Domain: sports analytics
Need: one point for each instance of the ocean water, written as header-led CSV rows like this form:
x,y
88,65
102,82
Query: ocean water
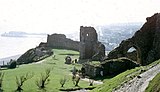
x,y
13,46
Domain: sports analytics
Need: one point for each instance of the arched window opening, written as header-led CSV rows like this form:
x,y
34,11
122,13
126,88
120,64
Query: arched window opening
x,y
132,53
132,49
87,35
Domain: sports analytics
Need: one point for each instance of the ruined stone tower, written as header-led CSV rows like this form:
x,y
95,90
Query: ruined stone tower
x,y
90,47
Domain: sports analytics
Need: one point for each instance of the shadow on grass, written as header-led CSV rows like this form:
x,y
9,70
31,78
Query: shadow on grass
x,y
70,54
76,88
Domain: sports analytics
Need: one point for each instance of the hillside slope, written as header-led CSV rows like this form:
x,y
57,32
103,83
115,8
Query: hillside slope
x,y
154,85
140,83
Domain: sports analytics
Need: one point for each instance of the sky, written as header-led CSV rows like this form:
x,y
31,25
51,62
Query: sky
x,y
66,16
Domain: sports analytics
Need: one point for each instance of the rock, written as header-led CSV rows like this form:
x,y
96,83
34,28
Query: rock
x,y
146,41
139,76
35,54
68,60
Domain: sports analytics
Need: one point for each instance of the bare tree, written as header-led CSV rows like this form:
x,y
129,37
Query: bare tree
x,y
44,79
21,79
63,81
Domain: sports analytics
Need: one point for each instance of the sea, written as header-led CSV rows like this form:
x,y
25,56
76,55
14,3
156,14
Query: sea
x,y
13,47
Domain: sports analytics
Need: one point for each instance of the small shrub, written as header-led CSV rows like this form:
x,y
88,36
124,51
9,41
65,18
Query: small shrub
x,y
21,79
12,64
68,60
44,79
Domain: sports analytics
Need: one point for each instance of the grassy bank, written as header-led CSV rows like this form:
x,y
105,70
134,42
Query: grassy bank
x,y
154,85
114,83
59,70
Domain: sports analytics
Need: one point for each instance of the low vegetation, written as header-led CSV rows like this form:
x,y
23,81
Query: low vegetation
x,y
154,85
44,79
21,79
60,69
12,64
60,78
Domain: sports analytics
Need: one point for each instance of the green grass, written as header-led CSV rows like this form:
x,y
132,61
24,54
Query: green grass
x,y
59,71
114,83
154,85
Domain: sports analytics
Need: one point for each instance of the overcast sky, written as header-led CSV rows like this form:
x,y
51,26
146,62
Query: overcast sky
x,y
64,16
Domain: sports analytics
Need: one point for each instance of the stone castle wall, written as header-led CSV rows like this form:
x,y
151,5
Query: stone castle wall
x,y
89,46
60,41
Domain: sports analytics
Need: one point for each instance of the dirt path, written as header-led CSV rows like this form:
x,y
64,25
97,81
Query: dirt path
x,y
86,79
95,82
139,84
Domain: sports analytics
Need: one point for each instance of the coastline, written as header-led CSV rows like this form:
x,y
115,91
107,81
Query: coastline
x,y
7,59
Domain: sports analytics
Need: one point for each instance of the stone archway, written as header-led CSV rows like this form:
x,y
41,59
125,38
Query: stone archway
x,y
133,52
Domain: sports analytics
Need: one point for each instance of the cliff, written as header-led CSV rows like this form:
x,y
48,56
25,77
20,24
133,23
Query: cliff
x,y
146,41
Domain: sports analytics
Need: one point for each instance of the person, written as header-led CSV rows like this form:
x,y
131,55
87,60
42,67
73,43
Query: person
x,y
83,72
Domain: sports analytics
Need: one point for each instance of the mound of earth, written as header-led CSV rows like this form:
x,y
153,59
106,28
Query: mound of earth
x,y
35,54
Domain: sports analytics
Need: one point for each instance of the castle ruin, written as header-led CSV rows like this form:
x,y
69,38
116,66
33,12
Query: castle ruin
x,y
90,47
146,41
59,41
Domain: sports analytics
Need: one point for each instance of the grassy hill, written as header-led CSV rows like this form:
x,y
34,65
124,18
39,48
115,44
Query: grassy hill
x,y
59,70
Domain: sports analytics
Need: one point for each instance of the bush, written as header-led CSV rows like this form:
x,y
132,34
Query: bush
x,y
12,64
44,79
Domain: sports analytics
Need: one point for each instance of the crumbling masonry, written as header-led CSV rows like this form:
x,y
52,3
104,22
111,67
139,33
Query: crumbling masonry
x,y
90,47
146,41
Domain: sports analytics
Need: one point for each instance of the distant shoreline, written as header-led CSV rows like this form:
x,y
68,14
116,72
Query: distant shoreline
x,y
20,34
7,59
